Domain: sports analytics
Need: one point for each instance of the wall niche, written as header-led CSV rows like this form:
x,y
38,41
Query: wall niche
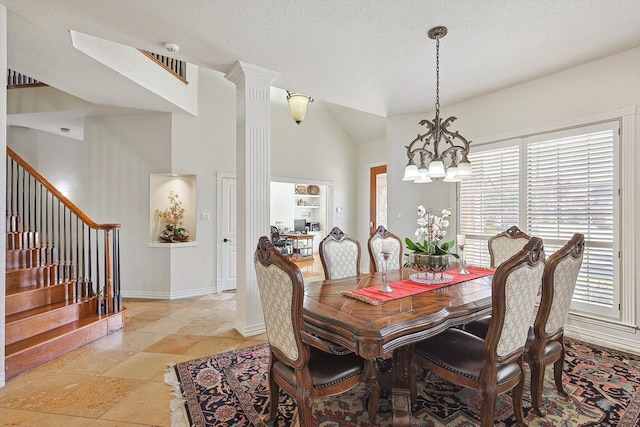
x,y
162,186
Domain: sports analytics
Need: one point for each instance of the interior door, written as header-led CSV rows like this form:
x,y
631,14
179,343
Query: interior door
x,y
378,198
227,246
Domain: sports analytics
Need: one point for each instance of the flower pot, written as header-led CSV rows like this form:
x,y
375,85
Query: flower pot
x,y
422,262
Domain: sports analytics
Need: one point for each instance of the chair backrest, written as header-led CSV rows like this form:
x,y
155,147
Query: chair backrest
x,y
504,245
558,283
281,292
340,255
514,293
275,234
375,250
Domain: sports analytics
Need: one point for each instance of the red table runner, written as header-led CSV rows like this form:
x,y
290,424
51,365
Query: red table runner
x,y
408,287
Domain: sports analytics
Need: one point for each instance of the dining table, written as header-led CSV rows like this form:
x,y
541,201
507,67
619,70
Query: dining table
x,y
353,313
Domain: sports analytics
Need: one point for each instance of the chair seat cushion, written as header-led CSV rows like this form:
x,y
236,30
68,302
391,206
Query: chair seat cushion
x,y
462,353
479,327
326,369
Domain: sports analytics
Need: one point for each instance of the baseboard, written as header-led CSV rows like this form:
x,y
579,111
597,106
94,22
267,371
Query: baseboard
x,y
603,339
168,295
251,330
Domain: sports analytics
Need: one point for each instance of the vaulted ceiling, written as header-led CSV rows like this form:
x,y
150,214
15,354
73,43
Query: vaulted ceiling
x,y
367,58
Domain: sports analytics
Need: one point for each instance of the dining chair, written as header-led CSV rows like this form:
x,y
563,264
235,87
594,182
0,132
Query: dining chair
x,y
301,364
339,255
504,245
376,258
545,342
493,365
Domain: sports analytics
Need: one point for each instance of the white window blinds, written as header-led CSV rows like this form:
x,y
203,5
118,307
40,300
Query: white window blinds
x,y
571,189
489,200
551,186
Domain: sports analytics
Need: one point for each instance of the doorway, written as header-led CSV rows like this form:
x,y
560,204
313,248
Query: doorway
x,y
377,198
227,244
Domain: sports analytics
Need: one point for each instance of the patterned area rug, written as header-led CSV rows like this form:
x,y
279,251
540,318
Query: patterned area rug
x,y
230,389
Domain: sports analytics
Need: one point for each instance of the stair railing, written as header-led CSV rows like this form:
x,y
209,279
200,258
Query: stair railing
x,y
87,253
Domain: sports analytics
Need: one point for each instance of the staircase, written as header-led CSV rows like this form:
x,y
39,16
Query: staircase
x,y
63,282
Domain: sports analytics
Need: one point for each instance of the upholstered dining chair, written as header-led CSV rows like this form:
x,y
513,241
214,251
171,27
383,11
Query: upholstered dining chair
x,y
504,245
545,343
339,255
301,364
376,257
493,365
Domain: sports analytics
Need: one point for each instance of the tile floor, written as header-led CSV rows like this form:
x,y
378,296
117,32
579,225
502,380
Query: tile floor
x,y
118,380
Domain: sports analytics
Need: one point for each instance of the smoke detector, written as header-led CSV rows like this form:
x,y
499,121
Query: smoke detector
x,y
172,47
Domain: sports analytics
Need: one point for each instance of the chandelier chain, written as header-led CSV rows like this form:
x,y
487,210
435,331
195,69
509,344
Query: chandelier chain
x,y
437,76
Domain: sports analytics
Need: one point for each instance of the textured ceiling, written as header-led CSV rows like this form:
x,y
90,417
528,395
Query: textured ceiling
x,y
368,55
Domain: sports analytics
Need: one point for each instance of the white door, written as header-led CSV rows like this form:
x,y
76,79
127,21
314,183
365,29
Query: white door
x,y
227,271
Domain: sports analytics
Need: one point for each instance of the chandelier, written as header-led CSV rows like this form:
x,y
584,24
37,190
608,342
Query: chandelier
x,y
442,153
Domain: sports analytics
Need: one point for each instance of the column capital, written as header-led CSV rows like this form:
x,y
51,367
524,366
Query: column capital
x,y
242,69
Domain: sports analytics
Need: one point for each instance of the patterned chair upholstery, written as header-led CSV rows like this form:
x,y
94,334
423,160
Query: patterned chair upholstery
x,y
493,365
504,245
340,255
375,250
545,343
301,364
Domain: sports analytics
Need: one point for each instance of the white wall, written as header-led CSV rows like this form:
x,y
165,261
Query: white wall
x,y
282,204
370,154
120,153
593,89
57,158
314,151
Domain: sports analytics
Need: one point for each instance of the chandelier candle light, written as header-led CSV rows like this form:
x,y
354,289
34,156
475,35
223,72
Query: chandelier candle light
x,y
448,161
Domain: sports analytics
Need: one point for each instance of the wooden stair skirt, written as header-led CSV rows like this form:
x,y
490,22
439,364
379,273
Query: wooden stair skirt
x,y
45,315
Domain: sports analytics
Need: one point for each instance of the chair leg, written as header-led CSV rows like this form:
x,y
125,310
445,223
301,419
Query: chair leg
x,y
517,401
274,393
557,374
304,401
487,408
537,384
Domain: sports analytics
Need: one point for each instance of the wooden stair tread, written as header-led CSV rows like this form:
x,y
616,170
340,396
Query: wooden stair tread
x,y
52,334
32,288
38,311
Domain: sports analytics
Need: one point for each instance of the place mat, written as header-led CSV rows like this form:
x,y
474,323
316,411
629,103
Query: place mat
x,y
407,287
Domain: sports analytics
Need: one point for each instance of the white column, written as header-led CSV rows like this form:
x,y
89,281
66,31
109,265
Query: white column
x,y
253,172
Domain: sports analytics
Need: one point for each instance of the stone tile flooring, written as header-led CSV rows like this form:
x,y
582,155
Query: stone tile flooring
x,y
118,380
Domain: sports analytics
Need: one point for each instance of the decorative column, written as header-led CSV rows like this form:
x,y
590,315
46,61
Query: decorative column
x,y
253,174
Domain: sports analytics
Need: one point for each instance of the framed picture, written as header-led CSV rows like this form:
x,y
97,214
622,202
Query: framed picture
x,y
301,189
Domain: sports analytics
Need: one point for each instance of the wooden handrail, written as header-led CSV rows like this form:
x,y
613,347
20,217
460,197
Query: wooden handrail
x,y
169,69
68,203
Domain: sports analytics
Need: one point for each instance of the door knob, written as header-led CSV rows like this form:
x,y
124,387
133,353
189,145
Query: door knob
x,y
225,240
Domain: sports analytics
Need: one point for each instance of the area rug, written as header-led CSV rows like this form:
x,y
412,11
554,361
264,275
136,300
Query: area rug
x,y
231,389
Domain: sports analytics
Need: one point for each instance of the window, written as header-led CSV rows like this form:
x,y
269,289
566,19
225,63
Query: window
x,y
551,186
489,200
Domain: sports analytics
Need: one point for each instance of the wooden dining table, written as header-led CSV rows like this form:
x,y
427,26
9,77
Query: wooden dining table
x,y
392,327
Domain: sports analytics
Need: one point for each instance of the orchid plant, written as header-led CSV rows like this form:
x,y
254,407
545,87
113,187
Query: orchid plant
x,y
172,218
430,233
